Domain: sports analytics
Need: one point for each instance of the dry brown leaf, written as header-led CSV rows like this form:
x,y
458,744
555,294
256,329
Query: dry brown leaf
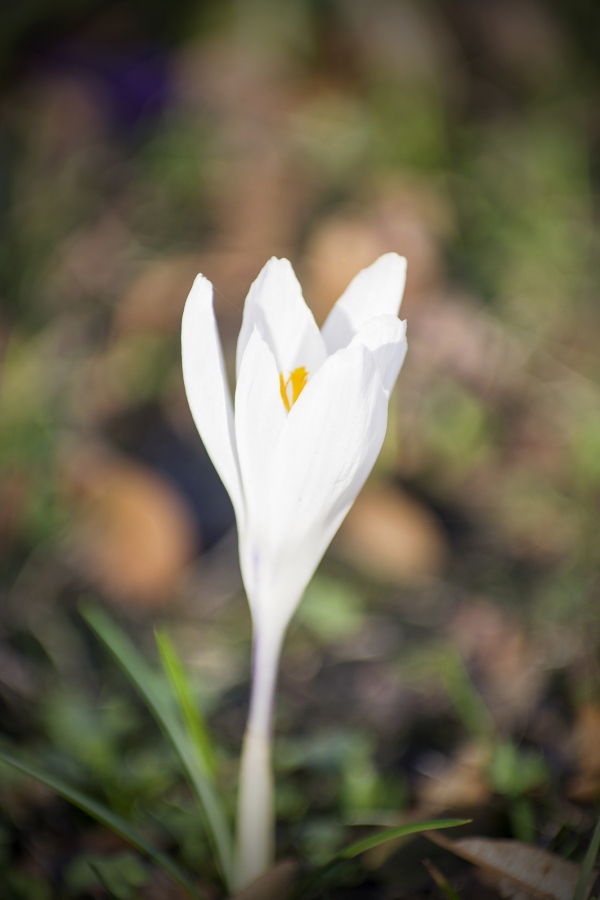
x,y
276,884
134,534
392,536
530,869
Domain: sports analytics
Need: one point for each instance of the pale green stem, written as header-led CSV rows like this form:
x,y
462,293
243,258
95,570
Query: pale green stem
x,y
255,847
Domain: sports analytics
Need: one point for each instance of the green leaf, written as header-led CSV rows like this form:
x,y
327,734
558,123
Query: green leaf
x,y
588,865
373,841
181,688
146,681
401,831
106,817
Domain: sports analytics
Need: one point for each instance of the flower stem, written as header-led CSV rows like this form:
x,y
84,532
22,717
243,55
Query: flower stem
x,y
256,814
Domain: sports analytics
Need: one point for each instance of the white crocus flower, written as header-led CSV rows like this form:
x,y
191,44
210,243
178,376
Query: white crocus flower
x,y
310,418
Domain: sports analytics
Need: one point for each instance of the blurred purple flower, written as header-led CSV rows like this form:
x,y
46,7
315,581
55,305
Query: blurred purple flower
x,y
132,79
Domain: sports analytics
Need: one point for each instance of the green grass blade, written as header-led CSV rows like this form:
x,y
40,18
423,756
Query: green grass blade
x,y
181,688
401,831
373,841
588,865
106,817
145,680
441,881
467,700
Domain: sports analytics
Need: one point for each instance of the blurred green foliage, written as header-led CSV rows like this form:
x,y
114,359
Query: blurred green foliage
x,y
121,874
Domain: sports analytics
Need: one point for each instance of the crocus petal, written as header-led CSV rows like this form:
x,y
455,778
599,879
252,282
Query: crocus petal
x,y
326,449
385,336
275,304
207,389
259,418
375,291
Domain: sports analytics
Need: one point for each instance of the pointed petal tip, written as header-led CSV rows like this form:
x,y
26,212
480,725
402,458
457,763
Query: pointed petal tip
x,y
276,269
278,262
275,302
375,291
201,281
201,289
393,262
392,255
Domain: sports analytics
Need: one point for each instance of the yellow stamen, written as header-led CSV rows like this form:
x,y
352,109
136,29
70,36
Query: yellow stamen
x,y
297,379
283,390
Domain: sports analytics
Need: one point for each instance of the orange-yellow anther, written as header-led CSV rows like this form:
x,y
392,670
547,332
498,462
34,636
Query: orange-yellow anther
x,y
297,382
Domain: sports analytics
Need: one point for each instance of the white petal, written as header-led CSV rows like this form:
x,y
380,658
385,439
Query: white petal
x,y
385,336
259,417
327,448
375,291
275,304
207,389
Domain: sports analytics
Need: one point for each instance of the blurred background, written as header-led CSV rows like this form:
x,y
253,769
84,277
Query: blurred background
x,y
446,655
